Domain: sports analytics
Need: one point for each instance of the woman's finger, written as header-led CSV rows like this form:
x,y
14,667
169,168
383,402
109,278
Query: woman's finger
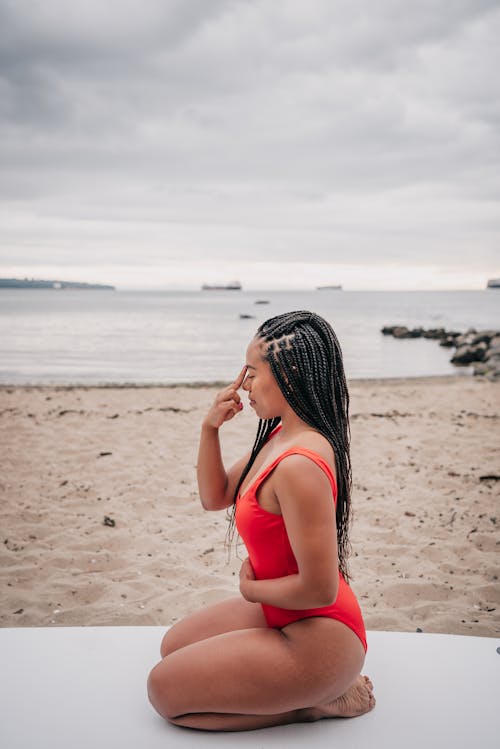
x,y
239,380
230,408
227,396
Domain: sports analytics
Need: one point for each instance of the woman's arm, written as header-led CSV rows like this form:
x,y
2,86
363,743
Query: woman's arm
x,y
305,497
216,487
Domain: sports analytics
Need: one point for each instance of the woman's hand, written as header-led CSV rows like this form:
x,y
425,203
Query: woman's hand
x,y
247,575
217,486
227,403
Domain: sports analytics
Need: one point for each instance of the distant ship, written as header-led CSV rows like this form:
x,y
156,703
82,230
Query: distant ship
x,y
333,287
233,286
493,283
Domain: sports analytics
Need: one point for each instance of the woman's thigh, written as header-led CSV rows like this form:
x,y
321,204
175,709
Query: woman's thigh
x,y
226,616
258,671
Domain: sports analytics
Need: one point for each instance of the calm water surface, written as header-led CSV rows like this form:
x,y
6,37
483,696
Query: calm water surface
x,y
91,337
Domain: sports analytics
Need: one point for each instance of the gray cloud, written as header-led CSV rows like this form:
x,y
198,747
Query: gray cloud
x,y
161,130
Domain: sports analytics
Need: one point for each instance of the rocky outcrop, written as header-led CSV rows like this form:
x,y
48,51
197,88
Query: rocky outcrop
x,y
481,348
467,353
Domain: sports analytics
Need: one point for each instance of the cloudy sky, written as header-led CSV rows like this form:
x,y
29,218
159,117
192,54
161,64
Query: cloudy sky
x,y
286,143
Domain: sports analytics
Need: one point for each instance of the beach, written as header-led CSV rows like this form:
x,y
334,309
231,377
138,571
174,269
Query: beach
x,y
101,522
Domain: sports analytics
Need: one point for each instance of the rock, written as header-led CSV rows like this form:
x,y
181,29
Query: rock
x,y
494,361
464,340
481,368
448,341
483,336
434,333
401,331
481,348
492,352
467,354
490,368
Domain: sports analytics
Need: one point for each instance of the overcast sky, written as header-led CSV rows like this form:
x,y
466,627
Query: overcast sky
x,y
159,143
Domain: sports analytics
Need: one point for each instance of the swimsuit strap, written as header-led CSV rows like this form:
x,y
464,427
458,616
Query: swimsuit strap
x,y
318,459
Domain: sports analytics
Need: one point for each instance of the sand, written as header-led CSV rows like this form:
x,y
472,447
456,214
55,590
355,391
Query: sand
x,y
101,523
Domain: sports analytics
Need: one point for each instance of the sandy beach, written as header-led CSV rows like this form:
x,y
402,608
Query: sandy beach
x,y
101,523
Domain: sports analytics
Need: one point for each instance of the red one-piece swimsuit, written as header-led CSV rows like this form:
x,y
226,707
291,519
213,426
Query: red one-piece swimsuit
x,y
266,540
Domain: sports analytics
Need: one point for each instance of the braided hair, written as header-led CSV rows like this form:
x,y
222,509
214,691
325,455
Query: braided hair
x,y
306,361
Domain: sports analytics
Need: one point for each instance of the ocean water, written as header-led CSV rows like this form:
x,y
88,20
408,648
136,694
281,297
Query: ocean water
x,y
94,337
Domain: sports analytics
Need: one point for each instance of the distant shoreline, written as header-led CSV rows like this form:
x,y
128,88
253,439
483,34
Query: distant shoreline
x,y
36,283
244,292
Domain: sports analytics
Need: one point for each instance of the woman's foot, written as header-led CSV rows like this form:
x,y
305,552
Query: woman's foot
x,y
356,701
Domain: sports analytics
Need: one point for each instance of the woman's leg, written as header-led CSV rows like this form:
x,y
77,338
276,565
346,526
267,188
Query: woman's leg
x,y
256,677
226,616
356,701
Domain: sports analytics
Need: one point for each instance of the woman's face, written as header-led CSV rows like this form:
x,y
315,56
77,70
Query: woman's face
x,y
264,394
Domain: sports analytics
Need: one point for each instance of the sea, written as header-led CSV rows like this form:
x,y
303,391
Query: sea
x,y
93,337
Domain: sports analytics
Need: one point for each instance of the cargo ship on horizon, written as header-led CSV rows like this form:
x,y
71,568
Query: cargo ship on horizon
x,y
232,286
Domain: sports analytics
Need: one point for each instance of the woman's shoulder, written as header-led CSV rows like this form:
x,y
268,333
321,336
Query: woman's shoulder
x,y
301,476
313,444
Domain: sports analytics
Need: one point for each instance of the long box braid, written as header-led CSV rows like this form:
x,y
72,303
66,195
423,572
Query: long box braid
x,y
306,360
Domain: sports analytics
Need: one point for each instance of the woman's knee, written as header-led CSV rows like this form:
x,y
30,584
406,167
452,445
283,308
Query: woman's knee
x,y
174,639
160,690
168,644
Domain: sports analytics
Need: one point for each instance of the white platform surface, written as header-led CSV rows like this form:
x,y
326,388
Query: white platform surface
x,y
81,687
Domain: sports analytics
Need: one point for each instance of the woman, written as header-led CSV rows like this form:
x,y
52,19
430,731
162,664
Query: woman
x,y
292,646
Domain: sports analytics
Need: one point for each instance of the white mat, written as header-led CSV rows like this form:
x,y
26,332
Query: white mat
x,y
76,688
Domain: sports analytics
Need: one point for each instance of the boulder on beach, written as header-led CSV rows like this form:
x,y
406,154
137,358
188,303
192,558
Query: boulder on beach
x,y
434,333
448,341
469,353
481,348
492,352
489,368
401,331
